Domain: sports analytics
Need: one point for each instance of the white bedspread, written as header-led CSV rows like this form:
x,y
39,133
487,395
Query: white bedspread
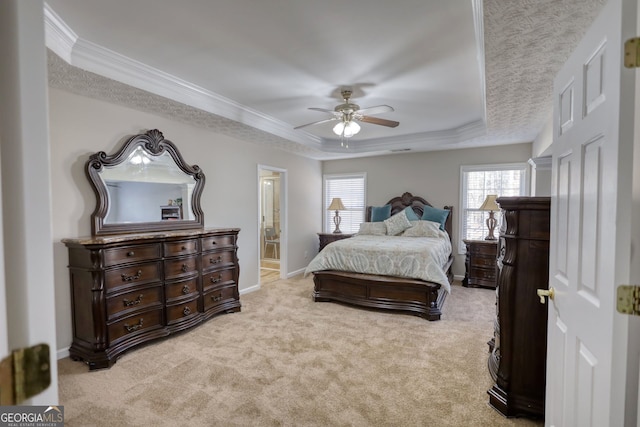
x,y
413,257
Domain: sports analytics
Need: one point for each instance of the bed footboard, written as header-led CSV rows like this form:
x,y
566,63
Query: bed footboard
x,y
417,297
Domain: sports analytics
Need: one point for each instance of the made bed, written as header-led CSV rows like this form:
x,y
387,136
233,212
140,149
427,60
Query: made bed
x,y
410,284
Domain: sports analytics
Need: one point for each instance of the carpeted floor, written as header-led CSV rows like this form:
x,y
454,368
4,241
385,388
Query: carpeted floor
x,y
287,361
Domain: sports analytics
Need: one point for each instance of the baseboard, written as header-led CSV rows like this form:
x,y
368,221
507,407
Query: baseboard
x,y
295,273
62,353
249,289
458,277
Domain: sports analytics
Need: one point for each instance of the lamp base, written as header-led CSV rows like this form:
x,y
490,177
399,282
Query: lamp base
x,y
491,225
336,221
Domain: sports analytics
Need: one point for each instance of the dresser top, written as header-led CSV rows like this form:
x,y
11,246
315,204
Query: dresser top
x,y
116,238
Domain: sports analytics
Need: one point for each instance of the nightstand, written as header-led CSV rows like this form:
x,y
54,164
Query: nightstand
x,y
481,263
326,238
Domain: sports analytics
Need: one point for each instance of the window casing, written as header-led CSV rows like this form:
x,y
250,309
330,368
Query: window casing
x,y
476,182
351,189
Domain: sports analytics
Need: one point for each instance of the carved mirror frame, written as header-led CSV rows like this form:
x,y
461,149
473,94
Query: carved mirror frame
x,y
153,144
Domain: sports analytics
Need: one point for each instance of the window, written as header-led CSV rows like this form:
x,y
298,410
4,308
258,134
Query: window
x,y
350,188
476,183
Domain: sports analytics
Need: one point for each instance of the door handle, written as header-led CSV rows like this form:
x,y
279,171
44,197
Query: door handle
x,y
546,293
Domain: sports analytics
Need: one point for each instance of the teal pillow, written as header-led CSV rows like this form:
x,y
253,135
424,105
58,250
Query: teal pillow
x,y
380,213
411,214
435,215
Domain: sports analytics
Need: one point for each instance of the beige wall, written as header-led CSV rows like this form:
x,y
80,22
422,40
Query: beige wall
x,y
432,175
80,126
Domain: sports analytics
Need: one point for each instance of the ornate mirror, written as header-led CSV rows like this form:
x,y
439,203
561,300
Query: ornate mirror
x,y
145,186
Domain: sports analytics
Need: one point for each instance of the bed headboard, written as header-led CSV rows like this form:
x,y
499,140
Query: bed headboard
x,y
417,204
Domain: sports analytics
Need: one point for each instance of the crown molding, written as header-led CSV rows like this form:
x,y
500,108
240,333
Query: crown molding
x,y
60,38
541,163
83,54
63,41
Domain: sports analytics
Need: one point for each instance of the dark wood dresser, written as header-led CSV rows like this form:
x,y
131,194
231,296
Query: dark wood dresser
x,y
129,289
481,263
326,238
517,362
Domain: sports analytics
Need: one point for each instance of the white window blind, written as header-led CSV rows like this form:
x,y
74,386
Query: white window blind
x,y
479,181
350,188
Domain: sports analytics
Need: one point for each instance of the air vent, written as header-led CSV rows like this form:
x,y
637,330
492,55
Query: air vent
x,y
399,150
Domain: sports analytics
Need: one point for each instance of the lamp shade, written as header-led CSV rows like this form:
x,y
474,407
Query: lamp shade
x,y
336,205
490,203
346,129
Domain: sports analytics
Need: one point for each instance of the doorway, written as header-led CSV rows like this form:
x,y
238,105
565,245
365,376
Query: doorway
x,y
271,184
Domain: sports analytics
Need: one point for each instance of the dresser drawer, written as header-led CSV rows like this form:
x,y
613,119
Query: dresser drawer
x,y
217,260
218,296
136,253
217,278
180,247
182,311
139,299
181,289
180,267
132,275
134,325
217,242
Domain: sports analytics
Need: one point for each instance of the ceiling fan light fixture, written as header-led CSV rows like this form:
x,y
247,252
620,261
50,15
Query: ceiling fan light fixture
x,y
346,129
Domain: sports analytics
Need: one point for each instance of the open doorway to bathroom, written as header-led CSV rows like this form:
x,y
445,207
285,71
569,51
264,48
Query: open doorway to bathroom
x,y
271,227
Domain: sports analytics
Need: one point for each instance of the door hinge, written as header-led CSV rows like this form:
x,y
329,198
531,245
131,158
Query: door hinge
x,y
628,299
631,54
24,373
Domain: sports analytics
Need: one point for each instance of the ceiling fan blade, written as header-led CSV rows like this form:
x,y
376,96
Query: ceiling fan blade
x,y
379,121
376,110
316,123
324,110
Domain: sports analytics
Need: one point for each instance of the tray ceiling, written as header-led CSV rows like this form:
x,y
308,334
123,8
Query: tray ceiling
x,y
460,73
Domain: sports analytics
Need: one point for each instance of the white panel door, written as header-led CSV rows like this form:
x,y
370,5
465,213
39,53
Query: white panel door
x,y
590,248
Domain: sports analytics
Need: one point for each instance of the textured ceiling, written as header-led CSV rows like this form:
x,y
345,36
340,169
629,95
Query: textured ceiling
x,y
525,43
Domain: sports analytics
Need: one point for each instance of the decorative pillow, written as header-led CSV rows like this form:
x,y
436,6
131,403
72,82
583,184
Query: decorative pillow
x,y
435,215
373,229
411,214
423,229
380,213
397,223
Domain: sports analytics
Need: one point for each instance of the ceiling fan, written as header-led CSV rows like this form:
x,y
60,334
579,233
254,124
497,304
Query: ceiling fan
x,y
349,114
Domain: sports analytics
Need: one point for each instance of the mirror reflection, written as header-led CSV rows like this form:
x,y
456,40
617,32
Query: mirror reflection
x,y
147,188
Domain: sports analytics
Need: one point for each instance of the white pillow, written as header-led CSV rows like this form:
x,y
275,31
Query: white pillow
x,y
423,229
397,223
373,229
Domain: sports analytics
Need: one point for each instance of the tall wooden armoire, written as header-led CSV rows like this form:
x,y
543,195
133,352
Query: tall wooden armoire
x,y
518,349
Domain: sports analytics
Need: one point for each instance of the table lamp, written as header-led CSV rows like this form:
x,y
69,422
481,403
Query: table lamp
x,y
336,205
490,205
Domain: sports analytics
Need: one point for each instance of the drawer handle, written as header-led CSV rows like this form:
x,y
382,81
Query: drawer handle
x,y
213,242
216,260
217,298
216,280
184,248
136,276
186,311
136,301
131,253
133,327
186,289
184,268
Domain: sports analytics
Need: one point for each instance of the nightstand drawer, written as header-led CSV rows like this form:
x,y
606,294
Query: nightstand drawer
x,y
483,273
481,263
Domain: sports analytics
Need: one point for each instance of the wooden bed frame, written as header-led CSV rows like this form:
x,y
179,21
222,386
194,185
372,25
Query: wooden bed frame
x,y
411,296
